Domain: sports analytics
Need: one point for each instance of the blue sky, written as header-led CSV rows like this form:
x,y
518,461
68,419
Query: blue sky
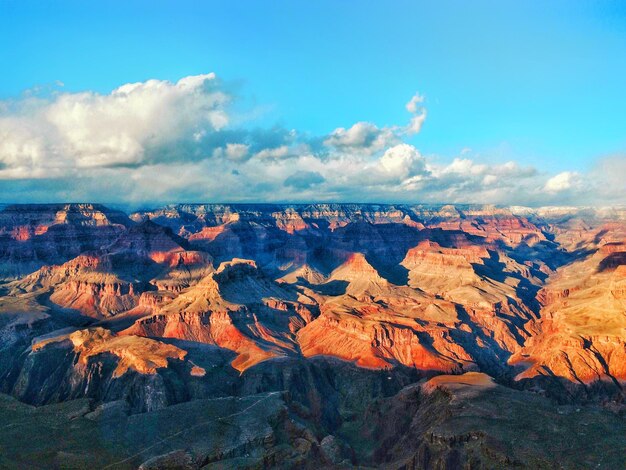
x,y
540,83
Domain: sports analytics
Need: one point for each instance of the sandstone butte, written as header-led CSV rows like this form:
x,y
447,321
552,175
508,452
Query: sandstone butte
x,y
142,355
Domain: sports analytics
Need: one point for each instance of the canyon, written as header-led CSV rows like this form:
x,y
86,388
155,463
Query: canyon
x,y
313,336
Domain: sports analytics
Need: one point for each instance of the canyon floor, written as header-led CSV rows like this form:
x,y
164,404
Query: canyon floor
x,y
312,336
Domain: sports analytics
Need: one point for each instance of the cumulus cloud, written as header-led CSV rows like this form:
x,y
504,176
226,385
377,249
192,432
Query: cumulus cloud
x,y
273,153
70,131
160,141
361,137
563,181
369,138
235,152
402,161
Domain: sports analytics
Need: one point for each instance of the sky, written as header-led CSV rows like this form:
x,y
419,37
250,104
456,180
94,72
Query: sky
x,y
277,101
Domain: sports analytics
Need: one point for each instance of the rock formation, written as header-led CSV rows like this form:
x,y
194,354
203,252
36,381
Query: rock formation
x,y
342,316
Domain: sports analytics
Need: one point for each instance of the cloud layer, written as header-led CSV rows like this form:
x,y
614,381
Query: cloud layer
x,y
158,141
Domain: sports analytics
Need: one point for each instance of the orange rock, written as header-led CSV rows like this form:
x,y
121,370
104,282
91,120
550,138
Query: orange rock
x,y
139,354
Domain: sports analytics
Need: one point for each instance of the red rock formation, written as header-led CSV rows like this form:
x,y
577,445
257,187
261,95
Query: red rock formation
x,y
441,288
236,308
105,283
377,324
34,235
139,354
582,332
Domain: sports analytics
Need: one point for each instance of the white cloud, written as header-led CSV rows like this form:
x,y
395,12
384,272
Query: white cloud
x,y
416,123
234,152
362,136
402,161
488,180
414,104
561,182
367,137
69,131
273,153
465,166
159,141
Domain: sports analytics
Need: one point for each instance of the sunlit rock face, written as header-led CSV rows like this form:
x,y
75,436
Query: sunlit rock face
x,y
335,305
34,235
582,330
